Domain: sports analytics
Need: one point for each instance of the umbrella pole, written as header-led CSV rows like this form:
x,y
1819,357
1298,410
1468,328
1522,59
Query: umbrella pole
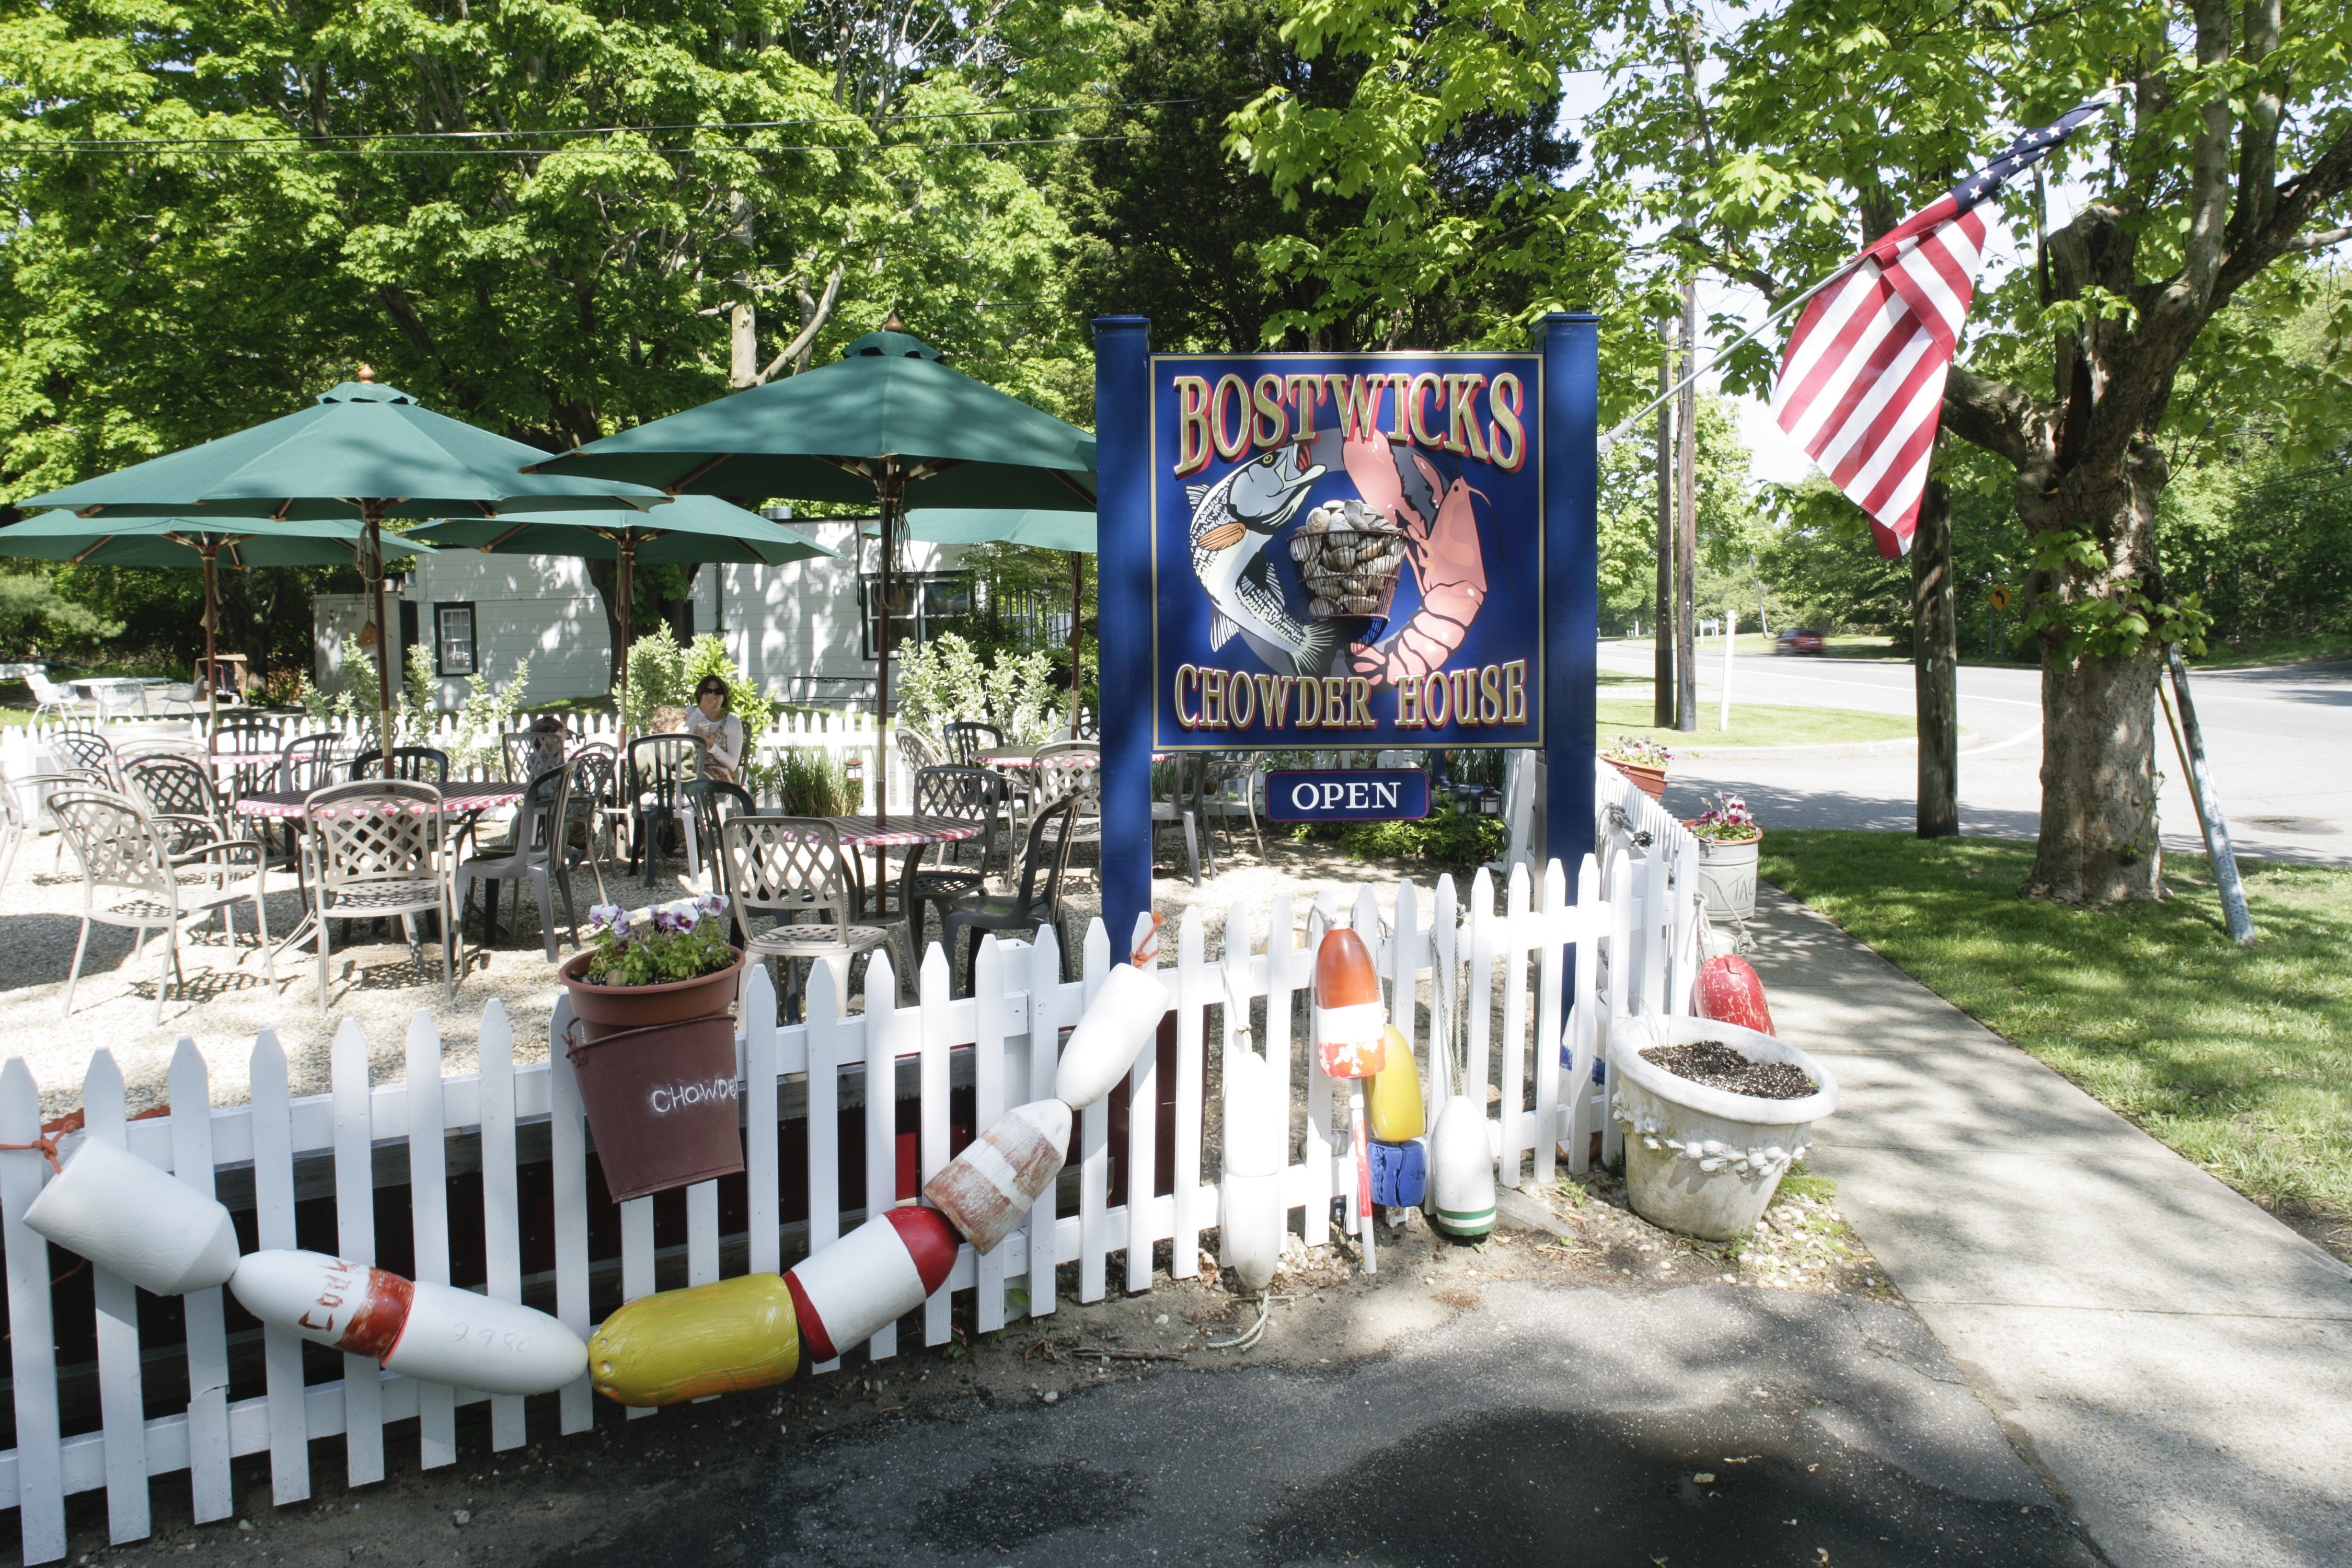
x,y
887,494
1078,602
387,644
625,584
212,612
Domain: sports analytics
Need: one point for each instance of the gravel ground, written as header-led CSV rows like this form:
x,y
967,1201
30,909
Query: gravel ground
x,y
226,998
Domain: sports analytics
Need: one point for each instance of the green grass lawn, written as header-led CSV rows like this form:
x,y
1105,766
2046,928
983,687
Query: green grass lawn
x,y
2272,650
1751,725
2239,1059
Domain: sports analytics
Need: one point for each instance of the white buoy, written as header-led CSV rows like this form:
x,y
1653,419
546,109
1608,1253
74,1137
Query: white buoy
x,y
1460,1170
986,1190
1251,1213
144,1224
1123,1018
876,1275
435,1333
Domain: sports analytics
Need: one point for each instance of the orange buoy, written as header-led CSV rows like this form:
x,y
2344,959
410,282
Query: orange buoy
x,y
416,1328
876,1275
684,1344
986,1190
1350,1019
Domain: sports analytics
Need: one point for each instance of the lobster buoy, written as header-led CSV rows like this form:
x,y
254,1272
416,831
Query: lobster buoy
x,y
1393,1097
1460,1170
1350,1024
986,1190
1123,1018
684,1344
142,1223
873,1277
1400,1173
1730,991
1251,1215
435,1333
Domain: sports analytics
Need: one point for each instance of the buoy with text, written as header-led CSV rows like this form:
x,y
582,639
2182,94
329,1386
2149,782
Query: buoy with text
x,y
1460,1170
677,1345
142,1222
437,1333
986,1190
876,1275
1250,1210
1350,1029
1730,991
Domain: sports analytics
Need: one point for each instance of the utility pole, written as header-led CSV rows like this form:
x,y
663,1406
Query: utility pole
x,y
1661,682
1687,563
1934,660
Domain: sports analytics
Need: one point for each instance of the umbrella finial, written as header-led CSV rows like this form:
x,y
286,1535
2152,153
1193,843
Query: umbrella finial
x,y
894,324
367,373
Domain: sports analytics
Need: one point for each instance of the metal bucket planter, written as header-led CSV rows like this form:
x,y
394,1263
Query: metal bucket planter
x,y
1727,875
655,1066
1700,1161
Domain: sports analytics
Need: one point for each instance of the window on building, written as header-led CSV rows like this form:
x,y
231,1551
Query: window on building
x,y
453,639
927,603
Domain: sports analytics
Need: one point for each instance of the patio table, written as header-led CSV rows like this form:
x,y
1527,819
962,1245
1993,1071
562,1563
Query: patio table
x,y
464,801
914,834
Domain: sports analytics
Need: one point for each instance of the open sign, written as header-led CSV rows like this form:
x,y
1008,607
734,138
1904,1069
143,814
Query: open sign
x,y
1347,794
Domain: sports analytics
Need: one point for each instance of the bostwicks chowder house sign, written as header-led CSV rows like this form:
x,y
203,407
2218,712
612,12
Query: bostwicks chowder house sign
x,y
1348,549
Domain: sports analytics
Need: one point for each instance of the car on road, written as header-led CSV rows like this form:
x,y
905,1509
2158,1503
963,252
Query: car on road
x,y
1799,642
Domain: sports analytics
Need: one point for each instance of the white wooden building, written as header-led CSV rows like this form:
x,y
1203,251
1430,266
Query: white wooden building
x,y
796,630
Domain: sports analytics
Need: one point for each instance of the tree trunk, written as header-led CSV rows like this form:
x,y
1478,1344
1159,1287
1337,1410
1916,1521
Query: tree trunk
x,y
605,576
1662,685
1935,656
1686,523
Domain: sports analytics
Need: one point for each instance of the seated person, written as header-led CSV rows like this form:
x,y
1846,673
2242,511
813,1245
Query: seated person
x,y
720,732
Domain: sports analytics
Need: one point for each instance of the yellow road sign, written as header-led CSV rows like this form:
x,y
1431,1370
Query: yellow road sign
x,y
1999,597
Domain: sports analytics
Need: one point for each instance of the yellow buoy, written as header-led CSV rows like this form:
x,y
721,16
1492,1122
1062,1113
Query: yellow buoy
x,y
1395,1108
706,1339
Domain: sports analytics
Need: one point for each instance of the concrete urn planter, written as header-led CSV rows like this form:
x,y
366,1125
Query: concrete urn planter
x,y
1727,875
1705,1162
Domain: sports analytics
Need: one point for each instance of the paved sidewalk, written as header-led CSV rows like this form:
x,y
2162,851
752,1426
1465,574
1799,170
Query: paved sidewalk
x,y
2175,1360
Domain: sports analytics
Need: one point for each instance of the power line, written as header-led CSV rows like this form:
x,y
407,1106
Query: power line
x,y
134,148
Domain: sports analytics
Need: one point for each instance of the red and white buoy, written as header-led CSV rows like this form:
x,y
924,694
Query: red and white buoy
x,y
144,1224
1730,991
418,1330
1350,1028
1123,1018
873,1276
987,1189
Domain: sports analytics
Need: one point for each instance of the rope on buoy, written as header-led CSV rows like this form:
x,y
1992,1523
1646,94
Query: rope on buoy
x,y
1256,1331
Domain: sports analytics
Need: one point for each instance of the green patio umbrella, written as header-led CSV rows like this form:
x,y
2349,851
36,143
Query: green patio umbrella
x,y
886,423
184,542
362,453
688,530
1070,531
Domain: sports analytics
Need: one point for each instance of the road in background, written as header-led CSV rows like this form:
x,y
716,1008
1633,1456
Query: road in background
x,y
2278,740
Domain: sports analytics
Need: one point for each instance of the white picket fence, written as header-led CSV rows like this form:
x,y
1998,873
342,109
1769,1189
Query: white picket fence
x,y
1529,955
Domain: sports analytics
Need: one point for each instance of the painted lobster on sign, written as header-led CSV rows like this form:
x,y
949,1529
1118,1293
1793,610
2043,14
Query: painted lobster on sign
x,y
1441,546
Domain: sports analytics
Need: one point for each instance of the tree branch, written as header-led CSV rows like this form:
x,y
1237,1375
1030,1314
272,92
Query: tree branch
x,y
2319,241
2208,177
1994,415
808,333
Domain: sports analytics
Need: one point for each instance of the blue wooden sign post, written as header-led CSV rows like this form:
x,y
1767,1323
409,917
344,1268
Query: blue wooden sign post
x,y
1306,551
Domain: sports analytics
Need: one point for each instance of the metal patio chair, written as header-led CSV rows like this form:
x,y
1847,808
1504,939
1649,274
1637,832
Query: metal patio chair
x,y
1036,897
377,849
967,794
535,850
658,768
968,743
790,868
132,879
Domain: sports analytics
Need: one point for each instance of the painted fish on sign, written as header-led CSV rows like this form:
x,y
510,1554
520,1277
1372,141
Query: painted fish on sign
x,y
1347,794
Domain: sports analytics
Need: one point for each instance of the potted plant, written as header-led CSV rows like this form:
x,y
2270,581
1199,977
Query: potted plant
x,y
1714,1116
1644,761
1728,843
652,1044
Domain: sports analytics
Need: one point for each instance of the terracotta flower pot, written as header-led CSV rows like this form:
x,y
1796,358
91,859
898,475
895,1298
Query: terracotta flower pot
x,y
1651,781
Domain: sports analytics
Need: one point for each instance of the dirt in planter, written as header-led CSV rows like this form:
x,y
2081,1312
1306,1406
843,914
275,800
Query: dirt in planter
x,y
1717,1066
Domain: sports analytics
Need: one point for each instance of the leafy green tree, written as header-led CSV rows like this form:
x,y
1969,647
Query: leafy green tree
x,y
36,621
1775,148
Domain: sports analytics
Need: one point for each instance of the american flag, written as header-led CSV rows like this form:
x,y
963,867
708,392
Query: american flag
x,y
1861,384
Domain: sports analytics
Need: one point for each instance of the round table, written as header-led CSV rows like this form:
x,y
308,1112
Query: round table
x,y
470,799
914,834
